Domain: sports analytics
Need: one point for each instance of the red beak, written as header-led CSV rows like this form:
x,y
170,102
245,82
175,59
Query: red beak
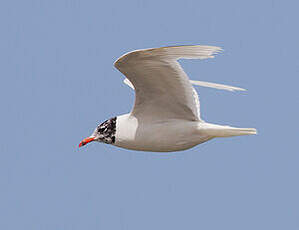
x,y
86,141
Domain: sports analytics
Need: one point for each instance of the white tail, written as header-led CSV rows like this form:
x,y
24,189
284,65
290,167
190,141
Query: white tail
x,y
227,131
230,131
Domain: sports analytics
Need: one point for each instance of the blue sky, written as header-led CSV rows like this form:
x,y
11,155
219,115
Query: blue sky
x,y
58,82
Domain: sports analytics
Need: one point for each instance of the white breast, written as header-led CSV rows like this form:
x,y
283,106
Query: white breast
x,y
162,136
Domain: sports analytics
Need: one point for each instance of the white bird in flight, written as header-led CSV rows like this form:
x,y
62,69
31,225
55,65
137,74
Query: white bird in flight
x,y
166,115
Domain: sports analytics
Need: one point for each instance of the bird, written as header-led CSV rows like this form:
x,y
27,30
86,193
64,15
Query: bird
x,y
166,113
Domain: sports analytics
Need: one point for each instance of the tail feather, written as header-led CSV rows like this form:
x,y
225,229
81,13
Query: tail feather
x,y
227,131
241,131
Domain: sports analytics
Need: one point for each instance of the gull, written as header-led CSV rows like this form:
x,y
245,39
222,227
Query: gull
x,y
166,113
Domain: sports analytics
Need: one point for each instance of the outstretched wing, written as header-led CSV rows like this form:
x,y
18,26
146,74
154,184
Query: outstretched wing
x,y
162,88
201,83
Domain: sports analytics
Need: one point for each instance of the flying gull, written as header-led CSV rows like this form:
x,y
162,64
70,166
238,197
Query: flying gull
x,y
166,113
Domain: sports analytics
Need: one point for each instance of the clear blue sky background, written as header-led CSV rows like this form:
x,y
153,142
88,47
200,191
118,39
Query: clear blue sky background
x,y
58,82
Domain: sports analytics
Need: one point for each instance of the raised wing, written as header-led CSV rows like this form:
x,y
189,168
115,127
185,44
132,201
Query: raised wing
x,y
162,88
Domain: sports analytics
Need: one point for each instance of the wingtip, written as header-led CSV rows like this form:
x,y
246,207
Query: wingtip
x,y
217,86
239,89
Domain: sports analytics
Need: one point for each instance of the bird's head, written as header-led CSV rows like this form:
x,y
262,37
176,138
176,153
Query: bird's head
x,y
105,133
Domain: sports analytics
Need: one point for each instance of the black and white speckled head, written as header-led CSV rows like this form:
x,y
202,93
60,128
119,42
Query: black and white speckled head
x,y
105,133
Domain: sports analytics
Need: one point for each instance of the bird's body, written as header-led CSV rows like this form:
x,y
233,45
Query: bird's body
x,y
157,136
166,114
168,135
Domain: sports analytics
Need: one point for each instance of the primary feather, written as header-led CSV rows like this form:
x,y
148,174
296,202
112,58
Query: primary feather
x,y
201,83
162,87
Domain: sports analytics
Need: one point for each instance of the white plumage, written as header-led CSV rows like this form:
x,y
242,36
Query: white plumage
x,y
166,113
